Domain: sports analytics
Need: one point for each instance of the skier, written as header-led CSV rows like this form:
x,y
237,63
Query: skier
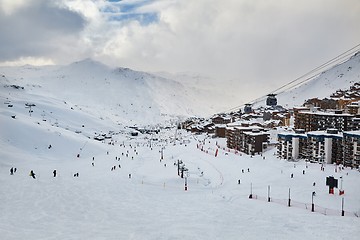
x,y
54,172
11,171
32,174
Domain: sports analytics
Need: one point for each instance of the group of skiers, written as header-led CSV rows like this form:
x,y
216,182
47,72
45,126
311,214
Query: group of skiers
x,y
31,174
12,171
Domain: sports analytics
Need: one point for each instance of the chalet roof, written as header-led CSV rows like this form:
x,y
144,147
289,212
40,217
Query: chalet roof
x,y
237,123
301,108
256,133
352,134
250,128
222,117
287,135
324,134
328,114
267,122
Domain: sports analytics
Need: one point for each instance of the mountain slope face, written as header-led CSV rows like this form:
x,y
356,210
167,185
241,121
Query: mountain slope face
x,y
131,97
341,76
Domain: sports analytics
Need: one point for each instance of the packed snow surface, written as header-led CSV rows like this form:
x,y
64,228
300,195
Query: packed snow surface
x,y
128,186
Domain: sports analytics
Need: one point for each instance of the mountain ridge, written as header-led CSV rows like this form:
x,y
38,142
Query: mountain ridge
x,y
136,97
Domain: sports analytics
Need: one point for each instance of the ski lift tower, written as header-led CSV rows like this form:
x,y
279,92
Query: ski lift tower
x,y
29,105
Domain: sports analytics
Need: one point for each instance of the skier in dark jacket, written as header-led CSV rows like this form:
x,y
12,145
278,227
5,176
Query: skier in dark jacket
x,y
32,174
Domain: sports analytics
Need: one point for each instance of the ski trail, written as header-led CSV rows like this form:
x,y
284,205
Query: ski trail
x,y
221,176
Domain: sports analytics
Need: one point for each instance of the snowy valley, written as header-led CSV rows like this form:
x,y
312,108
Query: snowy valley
x,y
128,185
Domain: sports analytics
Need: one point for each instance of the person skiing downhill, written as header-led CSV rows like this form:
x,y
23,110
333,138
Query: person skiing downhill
x,y
32,174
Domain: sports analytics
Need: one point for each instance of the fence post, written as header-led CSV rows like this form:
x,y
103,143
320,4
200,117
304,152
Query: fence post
x,y
312,202
289,199
250,196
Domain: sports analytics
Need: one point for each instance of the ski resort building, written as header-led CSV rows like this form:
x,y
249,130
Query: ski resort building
x,y
315,146
329,146
316,120
220,130
354,124
352,149
324,146
221,119
292,146
353,108
249,140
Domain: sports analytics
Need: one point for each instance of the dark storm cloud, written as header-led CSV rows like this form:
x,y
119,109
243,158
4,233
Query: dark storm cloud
x,y
36,28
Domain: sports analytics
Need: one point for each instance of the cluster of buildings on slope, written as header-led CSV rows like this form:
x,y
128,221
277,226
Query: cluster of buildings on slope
x,y
318,135
324,137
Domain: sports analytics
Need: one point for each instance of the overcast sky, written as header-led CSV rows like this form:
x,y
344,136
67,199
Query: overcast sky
x,y
256,40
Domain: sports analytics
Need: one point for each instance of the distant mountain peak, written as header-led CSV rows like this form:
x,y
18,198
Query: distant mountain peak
x,y
87,62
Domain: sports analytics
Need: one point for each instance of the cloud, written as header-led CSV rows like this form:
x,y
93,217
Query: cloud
x,y
35,61
7,7
36,29
265,41
268,42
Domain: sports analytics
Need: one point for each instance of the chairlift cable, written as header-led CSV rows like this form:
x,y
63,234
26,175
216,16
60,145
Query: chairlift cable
x,y
314,73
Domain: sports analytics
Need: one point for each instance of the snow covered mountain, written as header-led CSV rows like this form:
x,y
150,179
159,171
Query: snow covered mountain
x,y
341,76
132,96
128,187
129,95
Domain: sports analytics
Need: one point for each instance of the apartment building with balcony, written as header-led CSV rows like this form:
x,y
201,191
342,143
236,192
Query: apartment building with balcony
x,y
317,120
292,145
324,146
352,149
247,139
